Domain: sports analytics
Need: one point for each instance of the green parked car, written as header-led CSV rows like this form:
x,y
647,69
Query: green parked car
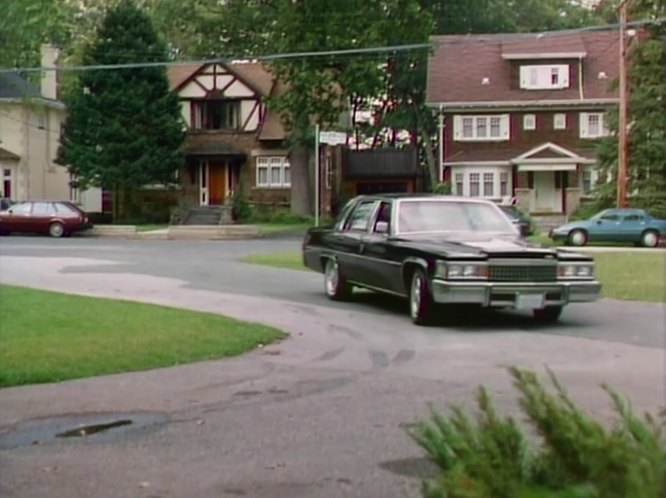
x,y
613,225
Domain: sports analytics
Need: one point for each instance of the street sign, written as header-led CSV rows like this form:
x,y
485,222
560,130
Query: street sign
x,y
333,137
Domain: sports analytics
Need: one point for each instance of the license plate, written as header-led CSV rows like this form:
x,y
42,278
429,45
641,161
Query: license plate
x,y
529,301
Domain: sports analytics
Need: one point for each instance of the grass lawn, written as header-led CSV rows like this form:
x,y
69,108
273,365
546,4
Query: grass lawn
x,y
50,337
270,228
633,276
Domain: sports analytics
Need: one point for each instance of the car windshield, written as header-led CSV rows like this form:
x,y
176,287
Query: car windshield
x,y
451,216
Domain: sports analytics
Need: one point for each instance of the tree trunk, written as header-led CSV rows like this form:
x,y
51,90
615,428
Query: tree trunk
x,y
302,180
433,172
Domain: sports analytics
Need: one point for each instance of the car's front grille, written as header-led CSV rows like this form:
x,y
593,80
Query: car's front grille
x,y
522,273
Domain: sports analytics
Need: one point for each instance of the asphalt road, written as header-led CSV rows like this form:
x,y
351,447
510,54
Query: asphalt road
x,y
321,414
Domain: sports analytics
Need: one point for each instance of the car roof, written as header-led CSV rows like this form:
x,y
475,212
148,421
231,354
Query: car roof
x,y
419,196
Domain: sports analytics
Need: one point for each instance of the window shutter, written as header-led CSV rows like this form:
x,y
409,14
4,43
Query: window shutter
x,y
584,131
457,127
524,77
564,76
505,126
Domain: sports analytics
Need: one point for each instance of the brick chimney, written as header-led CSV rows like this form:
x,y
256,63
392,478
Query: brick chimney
x,y
49,85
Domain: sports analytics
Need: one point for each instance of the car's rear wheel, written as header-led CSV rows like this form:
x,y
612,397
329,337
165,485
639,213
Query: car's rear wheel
x,y
56,229
650,238
420,298
550,314
335,284
577,238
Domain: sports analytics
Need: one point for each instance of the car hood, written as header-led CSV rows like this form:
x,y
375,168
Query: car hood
x,y
476,245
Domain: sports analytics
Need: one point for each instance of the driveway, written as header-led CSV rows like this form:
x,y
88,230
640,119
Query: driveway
x,y
321,414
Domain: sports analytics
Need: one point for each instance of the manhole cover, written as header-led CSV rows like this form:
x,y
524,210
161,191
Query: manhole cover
x,y
98,427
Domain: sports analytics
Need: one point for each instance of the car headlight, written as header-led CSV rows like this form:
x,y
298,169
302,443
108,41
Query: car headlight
x,y
461,270
576,270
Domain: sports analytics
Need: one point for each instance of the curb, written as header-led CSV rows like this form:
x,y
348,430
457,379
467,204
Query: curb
x,y
177,232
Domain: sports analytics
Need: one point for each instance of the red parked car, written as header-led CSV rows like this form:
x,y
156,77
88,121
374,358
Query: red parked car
x,y
56,218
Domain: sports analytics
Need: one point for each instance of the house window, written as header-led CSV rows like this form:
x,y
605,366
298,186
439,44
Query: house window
x,y
587,182
481,128
7,184
560,121
74,194
529,122
215,115
488,184
593,125
504,184
474,179
460,178
273,172
468,127
544,77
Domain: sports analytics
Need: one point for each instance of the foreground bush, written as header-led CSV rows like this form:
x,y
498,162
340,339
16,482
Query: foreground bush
x,y
575,456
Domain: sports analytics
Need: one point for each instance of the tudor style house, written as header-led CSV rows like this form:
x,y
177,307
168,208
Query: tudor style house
x,y
231,134
522,114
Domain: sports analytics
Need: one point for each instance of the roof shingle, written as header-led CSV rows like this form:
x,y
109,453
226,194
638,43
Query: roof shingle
x,y
459,65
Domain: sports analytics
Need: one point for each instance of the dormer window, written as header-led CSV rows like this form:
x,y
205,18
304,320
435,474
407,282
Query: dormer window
x,y
544,77
215,114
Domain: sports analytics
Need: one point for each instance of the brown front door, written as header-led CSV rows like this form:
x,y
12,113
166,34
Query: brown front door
x,y
217,183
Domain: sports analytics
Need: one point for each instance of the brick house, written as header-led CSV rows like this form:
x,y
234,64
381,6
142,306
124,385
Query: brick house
x,y
522,115
231,134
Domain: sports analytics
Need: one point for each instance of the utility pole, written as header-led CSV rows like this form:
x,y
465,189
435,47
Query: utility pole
x,y
623,139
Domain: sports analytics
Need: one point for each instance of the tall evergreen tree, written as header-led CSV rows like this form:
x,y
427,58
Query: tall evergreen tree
x,y
124,128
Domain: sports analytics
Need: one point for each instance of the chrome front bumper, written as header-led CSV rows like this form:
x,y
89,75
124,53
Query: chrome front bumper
x,y
505,294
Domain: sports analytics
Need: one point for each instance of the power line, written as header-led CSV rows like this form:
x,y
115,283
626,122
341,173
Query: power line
x,y
458,40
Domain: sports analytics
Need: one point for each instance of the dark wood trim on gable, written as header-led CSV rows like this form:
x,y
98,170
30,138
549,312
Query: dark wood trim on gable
x,y
250,114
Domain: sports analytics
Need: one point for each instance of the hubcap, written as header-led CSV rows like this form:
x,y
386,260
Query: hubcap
x,y
416,296
578,238
331,277
650,239
56,230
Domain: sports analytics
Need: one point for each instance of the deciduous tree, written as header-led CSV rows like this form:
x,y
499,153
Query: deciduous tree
x,y
647,129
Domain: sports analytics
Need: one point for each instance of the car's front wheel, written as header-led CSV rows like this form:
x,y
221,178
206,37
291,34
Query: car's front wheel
x,y
650,238
577,238
56,229
335,285
550,314
420,298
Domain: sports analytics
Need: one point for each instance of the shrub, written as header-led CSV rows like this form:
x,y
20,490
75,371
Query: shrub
x,y
444,188
241,210
577,457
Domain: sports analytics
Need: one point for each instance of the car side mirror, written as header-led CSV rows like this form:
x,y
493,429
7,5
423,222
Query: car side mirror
x,y
10,211
598,222
382,227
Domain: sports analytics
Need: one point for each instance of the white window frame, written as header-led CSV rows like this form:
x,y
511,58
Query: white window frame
x,y
529,122
544,77
464,174
268,164
559,121
459,183
595,179
602,127
8,177
74,193
495,126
